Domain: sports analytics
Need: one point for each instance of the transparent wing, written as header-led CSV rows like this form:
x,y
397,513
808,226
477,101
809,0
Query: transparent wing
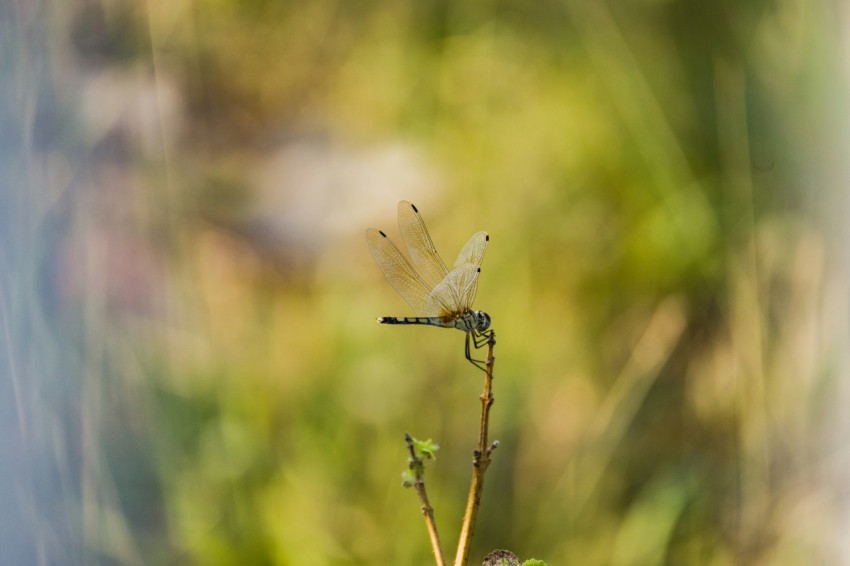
x,y
473,251
471,255
401,275
419,245
457,290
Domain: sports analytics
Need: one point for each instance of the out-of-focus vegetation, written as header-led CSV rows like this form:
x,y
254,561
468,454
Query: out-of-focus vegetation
x,y
191,372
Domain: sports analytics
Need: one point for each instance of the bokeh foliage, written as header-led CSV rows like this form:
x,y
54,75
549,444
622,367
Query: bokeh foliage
x,y
191,372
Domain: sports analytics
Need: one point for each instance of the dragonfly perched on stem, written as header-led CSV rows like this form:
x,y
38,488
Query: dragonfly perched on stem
x,y
439,296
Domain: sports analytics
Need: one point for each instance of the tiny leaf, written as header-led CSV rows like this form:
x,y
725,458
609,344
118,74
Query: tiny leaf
x,y
427,448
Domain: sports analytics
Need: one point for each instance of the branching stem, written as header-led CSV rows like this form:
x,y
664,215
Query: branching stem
x,y
417,467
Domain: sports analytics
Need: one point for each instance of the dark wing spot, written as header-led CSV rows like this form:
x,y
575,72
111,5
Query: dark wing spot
x,y
413,206
382,233
487,238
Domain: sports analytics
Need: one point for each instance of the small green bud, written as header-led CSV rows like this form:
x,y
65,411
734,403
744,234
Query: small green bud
x,y
408,478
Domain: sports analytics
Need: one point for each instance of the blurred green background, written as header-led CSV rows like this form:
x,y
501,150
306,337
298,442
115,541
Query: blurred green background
x,y
190,368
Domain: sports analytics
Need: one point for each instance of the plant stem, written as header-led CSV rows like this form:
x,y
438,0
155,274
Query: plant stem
x,y
480,460
417,467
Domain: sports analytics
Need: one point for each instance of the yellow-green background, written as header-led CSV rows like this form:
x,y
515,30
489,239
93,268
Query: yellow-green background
x,y
191,371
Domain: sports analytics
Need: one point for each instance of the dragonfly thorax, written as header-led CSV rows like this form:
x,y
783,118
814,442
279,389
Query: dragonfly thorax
x,y
473,321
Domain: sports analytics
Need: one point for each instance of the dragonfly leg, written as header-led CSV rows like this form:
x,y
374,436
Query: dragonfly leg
x,y
473,361
481,338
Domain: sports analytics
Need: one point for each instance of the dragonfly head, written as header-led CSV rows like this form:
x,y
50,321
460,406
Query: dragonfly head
x,y
482,320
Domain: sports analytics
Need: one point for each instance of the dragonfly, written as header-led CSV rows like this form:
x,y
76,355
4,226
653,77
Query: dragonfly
x,y
439,296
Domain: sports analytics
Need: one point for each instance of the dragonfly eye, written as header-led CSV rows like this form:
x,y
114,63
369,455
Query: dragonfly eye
x,y
483,320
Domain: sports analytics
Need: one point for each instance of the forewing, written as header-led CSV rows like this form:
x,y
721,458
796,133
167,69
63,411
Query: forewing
x,y
473,251
421,249
400,273
457,290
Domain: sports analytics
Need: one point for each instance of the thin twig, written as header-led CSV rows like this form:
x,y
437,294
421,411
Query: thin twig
x,y
480,461
417,467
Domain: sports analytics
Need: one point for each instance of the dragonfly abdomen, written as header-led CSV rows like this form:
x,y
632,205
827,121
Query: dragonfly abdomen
x,y
429,320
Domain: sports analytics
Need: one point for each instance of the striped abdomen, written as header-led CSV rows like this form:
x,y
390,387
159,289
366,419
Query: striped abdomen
x,y
429,320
